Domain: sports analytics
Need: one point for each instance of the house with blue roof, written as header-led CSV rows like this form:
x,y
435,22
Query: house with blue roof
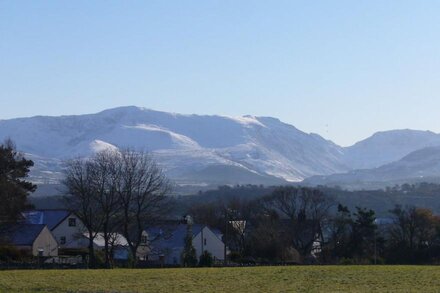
x,y
166,243
37,239
65,226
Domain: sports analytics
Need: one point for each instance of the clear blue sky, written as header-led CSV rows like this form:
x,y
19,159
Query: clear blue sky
x,y
343,69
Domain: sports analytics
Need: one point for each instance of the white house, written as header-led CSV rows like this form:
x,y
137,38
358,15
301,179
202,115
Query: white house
x,y
167,243
37,240
65,226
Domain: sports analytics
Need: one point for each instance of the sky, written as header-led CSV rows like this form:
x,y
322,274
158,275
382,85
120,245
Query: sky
x,y
342,69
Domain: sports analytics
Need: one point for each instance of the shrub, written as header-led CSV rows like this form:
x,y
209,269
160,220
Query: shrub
x,y
206,259
10,253
346,261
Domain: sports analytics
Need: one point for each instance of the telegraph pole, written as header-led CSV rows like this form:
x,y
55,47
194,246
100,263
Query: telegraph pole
x,y
226,236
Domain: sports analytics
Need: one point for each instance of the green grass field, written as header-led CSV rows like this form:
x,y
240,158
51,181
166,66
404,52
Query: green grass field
x,y
258,279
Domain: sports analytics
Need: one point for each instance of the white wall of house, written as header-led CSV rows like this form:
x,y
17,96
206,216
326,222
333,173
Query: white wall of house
x,y
207,240
69,233
45,242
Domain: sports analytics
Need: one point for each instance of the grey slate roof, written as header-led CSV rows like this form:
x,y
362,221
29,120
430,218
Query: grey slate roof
x,y
21,234
173,236
51,218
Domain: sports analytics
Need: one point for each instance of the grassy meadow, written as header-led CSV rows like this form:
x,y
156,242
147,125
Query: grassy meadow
x,y
254,279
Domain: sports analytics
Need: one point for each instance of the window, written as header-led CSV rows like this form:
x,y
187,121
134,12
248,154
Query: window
x,y
144,239
72,222
63,240
204,241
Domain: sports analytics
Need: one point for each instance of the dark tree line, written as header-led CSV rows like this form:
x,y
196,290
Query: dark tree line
x,y
414,237
304,225
281,227
352,237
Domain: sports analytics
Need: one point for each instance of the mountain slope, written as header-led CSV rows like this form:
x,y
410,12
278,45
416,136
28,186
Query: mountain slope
x,y
388,146
420,165
185,145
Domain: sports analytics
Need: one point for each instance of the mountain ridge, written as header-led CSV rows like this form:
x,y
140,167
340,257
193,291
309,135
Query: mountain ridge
x,y
386,146
419,166
261,145
192,148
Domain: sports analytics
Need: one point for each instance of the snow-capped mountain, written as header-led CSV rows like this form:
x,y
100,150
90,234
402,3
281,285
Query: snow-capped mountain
x,y
211,150
193,149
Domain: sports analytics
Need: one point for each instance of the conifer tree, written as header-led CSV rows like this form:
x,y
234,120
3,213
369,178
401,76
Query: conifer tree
x,y
189,258
14,189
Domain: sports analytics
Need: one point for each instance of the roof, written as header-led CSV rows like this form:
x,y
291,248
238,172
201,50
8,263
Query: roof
x,y
22,234
51,218
173,236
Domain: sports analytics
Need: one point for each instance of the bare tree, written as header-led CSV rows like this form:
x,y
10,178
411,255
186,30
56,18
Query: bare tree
x,y
117,190
142,193
106,174
304,211
81,198
413,227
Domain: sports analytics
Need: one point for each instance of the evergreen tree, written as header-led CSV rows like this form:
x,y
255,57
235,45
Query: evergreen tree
x,y
14,190
189,258
364,234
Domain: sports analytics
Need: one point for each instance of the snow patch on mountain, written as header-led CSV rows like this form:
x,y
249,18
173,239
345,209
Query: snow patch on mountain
x,y
247,120
99,146
180,141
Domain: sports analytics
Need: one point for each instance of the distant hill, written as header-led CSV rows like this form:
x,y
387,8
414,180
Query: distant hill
x,y
419,166
388,146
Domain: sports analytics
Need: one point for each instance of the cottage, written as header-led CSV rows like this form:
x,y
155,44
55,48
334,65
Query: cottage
x,y
167,243
65,226
37,240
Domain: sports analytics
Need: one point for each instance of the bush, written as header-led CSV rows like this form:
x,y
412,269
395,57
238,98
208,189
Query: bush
x,y
99,258
206,259
10,253
346,261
